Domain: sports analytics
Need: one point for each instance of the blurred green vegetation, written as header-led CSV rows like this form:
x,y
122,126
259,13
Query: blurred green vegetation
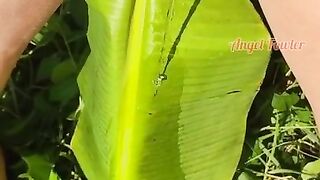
x,y
38,111
38,106
281,134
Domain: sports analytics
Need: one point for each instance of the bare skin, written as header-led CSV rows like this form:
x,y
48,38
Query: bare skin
x,y
289,19
299,21
20,20
2,166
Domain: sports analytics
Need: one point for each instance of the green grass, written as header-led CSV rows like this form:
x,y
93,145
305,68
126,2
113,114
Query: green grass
x,y
281,135
38,110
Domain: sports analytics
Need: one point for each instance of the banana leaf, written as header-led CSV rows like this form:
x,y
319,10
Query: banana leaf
x,y
163,96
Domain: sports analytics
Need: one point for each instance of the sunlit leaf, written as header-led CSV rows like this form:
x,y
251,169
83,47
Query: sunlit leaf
x,y
164,97
311,171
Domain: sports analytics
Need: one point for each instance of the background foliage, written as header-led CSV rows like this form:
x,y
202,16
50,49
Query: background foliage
x,y
37,108
38,111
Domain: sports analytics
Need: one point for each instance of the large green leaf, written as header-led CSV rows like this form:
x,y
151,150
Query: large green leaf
x,y
164,98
